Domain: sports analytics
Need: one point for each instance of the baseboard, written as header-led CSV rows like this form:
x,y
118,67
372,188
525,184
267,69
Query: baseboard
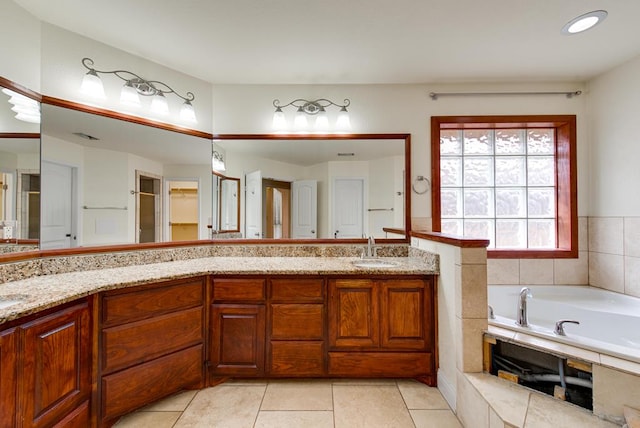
x,y
447,389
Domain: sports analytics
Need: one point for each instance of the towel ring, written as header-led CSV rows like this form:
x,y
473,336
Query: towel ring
x,y
421,185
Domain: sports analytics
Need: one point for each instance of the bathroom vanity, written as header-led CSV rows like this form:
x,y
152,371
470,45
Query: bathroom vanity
x,y
143,333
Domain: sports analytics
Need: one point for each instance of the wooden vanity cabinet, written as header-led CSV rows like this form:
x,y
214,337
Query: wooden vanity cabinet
x,y
8,377
237,327
45,369
382,327
151,344
296,327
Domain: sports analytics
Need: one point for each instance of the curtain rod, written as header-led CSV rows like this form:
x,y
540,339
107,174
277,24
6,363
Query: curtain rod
x,y
435,95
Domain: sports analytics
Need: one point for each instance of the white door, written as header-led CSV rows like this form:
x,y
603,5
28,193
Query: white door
x,y
304,210
253,205
348,207
56,211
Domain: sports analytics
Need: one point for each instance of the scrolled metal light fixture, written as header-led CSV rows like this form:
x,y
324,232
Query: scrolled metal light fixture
x,y
133,87
315,108
217,162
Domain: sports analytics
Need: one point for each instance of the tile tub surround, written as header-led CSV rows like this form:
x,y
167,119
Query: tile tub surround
x,y
489,402
341,403
15,271
51,290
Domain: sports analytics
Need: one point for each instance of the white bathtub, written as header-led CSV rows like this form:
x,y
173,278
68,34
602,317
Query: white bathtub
x,y
609,322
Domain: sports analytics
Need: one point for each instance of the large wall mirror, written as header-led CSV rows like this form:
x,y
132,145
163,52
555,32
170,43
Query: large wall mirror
x,y
320,187
19,172
107,181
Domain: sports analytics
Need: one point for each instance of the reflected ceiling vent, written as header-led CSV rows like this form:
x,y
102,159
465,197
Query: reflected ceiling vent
x,y
346,154
86,136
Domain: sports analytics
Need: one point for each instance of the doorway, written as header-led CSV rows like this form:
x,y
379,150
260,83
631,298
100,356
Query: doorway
x,y
277,210
28,204
183,209
148,207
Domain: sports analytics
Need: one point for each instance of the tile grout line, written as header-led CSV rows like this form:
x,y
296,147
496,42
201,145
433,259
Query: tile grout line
x,y
264,393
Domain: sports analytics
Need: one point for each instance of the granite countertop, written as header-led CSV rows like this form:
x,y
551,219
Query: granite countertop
x,y
42,292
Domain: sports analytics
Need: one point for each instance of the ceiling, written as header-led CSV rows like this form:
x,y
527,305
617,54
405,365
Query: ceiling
x,y
358,41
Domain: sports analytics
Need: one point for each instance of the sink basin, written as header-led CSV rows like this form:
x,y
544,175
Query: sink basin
x,y
11,299
374,263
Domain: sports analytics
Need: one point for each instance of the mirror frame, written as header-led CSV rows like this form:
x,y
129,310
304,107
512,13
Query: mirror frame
x,y
44,99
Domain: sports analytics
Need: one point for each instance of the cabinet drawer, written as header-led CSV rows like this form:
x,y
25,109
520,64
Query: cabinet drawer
x,y
239,289
122,306
145,340
296,358
130,389
297,290
381,364
297,321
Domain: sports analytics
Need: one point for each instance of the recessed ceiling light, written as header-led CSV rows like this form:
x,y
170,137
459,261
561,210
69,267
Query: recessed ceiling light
x,y
584,22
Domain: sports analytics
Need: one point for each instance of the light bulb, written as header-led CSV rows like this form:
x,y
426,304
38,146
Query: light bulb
x,y
159,104
322,122
129,96
92,85
343,124
300,122
188,113
279,120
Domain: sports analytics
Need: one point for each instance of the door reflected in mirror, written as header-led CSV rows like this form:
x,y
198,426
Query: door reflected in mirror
x,y
229,204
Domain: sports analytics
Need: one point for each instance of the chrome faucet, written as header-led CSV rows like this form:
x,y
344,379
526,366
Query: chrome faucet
x,y
370,250
522,320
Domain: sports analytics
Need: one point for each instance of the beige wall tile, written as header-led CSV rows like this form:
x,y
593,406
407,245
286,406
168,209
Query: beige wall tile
x,y
508,400
494,419
503,271
434,419
632,276
631,236
369,406
606,235
473,256
583,233
536,271
606,271
572,271
472,409
473,291
612,390
545,411
470,349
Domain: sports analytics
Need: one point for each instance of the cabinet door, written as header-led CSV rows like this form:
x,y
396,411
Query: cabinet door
x,y
237,340
57,365
406,314
8,377
353,314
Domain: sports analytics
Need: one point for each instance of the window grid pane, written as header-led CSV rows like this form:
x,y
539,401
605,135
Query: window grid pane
x,y
500,185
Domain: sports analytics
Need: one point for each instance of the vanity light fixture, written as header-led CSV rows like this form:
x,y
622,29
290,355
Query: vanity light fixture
x,y
25,108
135,86
217,162
306,108
584,22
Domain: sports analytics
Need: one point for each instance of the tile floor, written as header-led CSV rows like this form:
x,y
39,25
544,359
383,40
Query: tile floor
x,y
301,403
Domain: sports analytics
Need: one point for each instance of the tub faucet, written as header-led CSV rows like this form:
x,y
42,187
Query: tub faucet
x,y
522,320
559,330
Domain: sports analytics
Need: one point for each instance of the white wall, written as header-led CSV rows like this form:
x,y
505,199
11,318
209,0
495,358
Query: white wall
x,y
62,73
614,108
19,46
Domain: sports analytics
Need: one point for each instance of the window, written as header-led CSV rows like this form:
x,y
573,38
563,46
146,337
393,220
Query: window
x,y
509,179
